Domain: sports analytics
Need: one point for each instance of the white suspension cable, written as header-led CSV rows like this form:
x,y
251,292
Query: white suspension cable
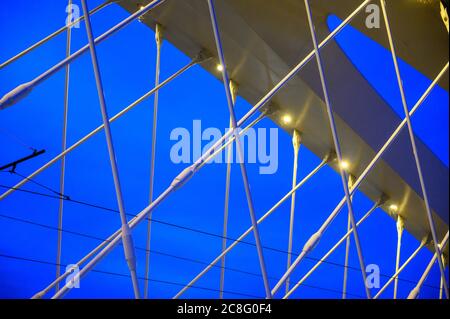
x,y
199,59
182,178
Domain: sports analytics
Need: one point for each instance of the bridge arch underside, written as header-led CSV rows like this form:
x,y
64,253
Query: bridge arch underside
x,y
264,40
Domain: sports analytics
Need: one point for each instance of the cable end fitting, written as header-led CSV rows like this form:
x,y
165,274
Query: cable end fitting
x,y
16,95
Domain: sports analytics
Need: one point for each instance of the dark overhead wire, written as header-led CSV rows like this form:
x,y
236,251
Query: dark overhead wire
x,y
127,275
138,248
40,185
191,230
16,139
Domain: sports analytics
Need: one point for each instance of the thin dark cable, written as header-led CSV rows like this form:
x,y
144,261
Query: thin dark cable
x,y
138,248
171,225
356,269
162,253
127,276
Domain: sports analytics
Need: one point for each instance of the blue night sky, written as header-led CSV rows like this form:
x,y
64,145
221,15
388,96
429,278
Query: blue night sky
x,y
28,222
